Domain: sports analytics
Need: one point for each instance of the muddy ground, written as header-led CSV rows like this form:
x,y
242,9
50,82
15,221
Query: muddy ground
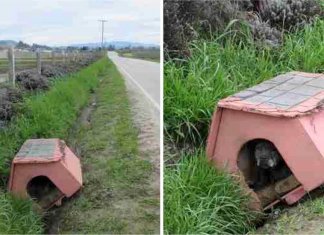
x,y
305,217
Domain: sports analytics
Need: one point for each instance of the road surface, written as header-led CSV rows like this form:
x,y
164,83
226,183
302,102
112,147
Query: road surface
x,y
144,74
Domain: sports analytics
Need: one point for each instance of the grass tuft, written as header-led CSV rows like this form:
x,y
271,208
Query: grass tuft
x,y
198,199
18,217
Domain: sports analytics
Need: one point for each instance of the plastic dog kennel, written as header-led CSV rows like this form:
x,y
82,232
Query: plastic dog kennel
x,y
46,170
286,111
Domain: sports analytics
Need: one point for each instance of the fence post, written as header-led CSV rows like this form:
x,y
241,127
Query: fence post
x,y
67,56
53,57
12,72
39,62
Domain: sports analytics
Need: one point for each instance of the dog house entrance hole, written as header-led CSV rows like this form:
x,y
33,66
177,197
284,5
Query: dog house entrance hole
x,y
261,164
43,191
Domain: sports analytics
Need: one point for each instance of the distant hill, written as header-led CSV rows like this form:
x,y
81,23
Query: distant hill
x,y
7,43
116,44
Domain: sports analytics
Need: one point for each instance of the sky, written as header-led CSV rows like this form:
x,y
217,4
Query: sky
x,y
66,22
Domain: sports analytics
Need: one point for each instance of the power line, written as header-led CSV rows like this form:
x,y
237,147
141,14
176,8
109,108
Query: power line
x,y
102,32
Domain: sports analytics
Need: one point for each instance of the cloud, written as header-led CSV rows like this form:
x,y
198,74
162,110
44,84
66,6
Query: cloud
x,y
63,22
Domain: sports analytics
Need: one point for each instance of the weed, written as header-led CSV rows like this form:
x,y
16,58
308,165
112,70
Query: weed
x,y
18,217
198,199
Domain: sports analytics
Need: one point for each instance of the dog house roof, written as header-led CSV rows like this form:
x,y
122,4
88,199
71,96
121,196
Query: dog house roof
x,y
40,150
291,94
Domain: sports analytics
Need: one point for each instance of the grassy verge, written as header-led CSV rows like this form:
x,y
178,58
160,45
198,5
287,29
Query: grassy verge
x,y
220,67
198,199
115,198
45,115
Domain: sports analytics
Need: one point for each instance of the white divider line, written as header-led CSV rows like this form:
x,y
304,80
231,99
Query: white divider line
x,y
156,105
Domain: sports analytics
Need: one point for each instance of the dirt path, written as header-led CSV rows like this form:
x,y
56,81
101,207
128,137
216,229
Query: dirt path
x,y
146,119
120,167
145,114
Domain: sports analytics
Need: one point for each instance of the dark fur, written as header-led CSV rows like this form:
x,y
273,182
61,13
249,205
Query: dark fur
x,y
270,165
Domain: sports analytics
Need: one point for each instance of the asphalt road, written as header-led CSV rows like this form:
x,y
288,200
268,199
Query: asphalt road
x,y
144,74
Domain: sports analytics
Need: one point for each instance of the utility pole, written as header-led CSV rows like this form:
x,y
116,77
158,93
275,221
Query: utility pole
x,y
102,32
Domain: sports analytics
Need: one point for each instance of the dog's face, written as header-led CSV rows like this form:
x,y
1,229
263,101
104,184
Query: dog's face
x,y
266,155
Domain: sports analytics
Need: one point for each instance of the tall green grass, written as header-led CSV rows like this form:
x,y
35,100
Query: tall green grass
x,y
18,217
198,199
222,66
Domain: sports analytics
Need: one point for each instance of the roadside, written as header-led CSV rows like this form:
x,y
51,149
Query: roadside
x,y
146,120
118,194
146,117
143,74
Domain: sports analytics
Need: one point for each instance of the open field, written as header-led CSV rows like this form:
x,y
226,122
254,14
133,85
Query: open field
x,y
21,65
28,60
144,54
218,67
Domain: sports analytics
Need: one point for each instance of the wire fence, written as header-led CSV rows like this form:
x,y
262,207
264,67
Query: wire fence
x,y
15,60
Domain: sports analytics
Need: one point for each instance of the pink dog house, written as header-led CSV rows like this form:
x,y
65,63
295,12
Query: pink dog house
x,y
287,111
47,170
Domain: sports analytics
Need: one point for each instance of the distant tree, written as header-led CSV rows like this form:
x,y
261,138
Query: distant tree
x,y
84,48
70,48
22,45
111,48
35,47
